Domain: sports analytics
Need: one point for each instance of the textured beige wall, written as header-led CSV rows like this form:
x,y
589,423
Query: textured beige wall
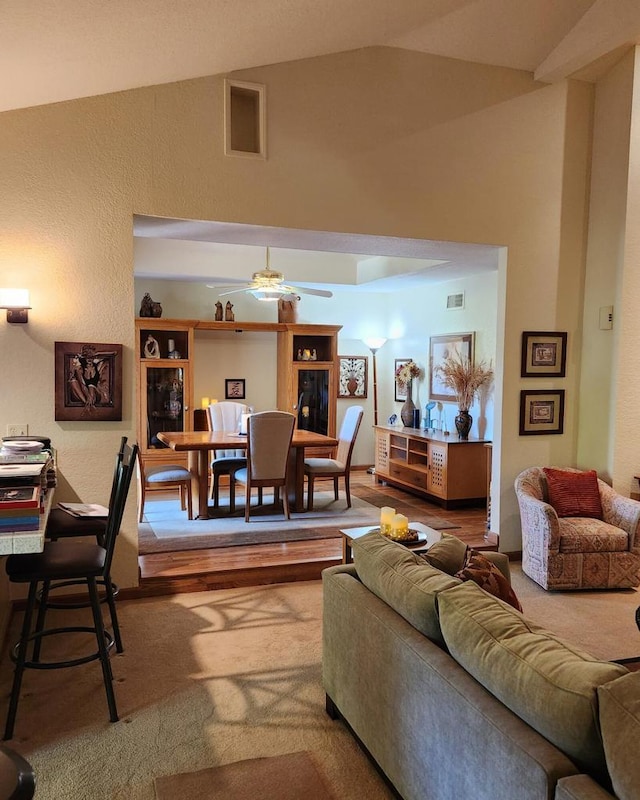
x,y
604,265
379,140
626,436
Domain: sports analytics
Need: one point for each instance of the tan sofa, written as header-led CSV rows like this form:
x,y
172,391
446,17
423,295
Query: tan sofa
x,y
578,552
455,694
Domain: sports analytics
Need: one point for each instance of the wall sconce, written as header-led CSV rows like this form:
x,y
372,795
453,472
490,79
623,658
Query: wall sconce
x,y
16,301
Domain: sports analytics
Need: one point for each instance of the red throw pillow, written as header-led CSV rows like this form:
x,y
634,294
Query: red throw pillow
x,y
574,494
485,573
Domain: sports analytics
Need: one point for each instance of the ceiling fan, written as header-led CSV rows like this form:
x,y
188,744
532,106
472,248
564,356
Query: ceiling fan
x,y
267,284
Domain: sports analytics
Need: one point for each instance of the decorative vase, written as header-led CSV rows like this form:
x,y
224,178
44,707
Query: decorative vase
x,y
408,407
463,421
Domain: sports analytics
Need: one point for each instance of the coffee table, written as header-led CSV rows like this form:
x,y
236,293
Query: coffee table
x,y
349,534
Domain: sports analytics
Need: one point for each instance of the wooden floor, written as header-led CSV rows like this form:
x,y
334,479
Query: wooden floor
x,y
199,570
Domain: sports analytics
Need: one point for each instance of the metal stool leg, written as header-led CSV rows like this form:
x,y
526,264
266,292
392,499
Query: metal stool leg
x,y
22,657
42,610
108,587
102,649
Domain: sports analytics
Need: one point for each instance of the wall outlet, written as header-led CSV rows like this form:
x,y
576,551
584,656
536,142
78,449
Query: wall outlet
x,y
18,430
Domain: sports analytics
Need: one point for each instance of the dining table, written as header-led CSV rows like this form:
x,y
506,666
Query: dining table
x,y
199,444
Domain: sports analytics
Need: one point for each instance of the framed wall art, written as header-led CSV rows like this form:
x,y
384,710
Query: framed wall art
x,y
441,347
544,354
234,389
88,382
352,376
401,391
541,411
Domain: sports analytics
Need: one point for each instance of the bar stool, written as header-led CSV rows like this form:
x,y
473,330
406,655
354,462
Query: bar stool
x,y
61,525
78,562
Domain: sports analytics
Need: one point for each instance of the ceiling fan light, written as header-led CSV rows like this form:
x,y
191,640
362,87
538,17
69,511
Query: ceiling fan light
x,y
267,295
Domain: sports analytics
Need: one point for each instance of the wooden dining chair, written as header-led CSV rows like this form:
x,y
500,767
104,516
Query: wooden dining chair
x,y
226,416
164,477
340,465
269,435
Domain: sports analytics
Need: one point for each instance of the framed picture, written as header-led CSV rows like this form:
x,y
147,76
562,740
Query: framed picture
x,y
441,347
352,376
544,354
541,411
88,382
234,389
401,391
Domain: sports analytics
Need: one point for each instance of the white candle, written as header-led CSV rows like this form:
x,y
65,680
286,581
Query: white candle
x,y
386,517
399,526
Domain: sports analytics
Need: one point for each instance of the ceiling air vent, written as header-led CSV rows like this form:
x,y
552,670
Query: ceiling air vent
x,y
455,301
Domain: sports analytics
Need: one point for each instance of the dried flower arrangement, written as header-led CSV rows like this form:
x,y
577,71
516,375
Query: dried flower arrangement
x,y
407,372
464,377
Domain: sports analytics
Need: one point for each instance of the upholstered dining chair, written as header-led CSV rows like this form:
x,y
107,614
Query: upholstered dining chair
x,y
340,465
161,478
76,562
226,416
269,435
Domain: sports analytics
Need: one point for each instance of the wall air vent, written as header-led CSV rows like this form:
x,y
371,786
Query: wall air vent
x,y
455,301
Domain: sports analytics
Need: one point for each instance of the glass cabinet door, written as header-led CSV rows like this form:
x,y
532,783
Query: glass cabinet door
x,y
165,406
313,400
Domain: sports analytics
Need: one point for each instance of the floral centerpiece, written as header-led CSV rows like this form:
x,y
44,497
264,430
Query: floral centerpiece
x,y
466,379
405,373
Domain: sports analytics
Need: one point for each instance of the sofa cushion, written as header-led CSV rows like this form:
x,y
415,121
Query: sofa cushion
x,y
588,535
447,555
547,682
402,580
574,494
619,702
480,570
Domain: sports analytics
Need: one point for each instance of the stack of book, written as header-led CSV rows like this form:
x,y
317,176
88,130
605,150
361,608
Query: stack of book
x,y
20,508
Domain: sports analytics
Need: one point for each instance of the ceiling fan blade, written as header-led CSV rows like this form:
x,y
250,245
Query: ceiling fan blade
x,y
236,291
318,292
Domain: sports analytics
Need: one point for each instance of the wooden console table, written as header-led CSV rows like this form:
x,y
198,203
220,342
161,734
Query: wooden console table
x,y
449,471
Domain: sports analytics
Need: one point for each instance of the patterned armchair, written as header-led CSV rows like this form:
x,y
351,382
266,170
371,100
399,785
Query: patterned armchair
x,y
563,553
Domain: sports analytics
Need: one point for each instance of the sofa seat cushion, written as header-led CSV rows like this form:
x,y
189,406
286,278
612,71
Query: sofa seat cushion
x,y
547,682
588,535
403,580
619,702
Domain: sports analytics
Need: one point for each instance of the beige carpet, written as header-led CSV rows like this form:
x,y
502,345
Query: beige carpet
x,y
217,677
289,777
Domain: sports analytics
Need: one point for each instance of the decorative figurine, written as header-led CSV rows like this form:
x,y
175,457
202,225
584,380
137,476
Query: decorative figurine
x,y
288,308
151,348
218,316
392,419
228,312
149,307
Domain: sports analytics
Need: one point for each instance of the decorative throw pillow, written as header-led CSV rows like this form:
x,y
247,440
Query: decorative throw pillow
x,y
574,494
480,570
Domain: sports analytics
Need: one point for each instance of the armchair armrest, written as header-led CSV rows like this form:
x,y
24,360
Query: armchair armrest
x,y
539,519
621,511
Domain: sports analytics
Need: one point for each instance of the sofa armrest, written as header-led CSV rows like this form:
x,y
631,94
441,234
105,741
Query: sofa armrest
x,y
580,787
539,519
621,511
